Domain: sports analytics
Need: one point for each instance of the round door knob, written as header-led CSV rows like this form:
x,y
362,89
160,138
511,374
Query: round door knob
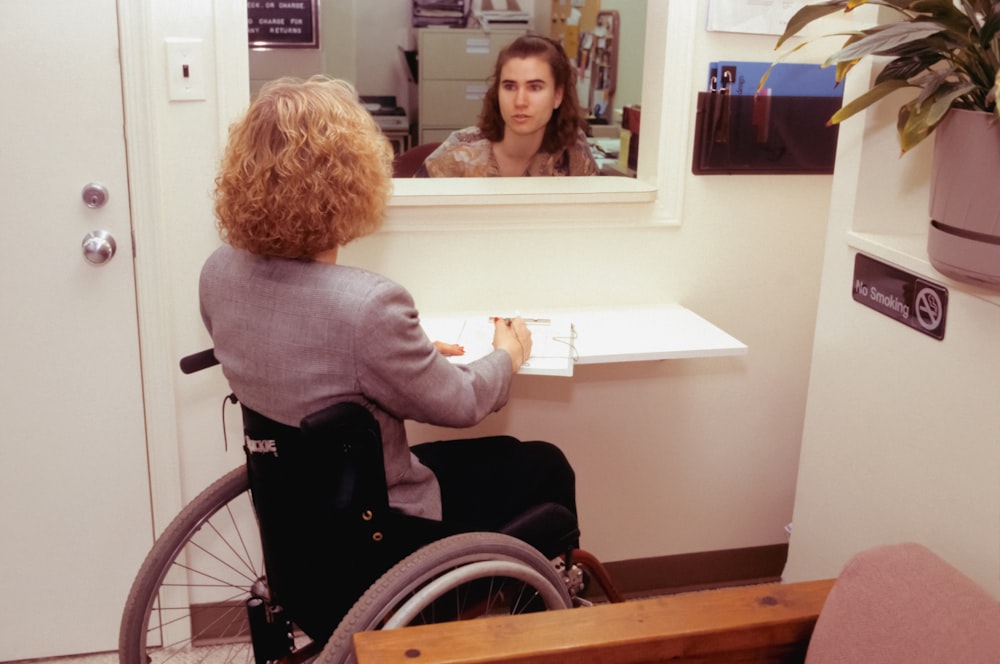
x,y
99,247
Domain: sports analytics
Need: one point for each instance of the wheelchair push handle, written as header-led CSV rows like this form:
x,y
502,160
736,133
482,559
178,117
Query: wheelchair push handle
x,y
198,361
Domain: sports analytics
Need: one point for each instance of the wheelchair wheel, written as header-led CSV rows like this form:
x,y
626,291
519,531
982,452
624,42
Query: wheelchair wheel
x,y
465,576
188,601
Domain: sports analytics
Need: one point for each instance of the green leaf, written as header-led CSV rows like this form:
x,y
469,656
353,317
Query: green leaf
x,y
905,68
989,30
945,11
781,58
810,13
843,68
943,99
919,117
866,100
912,127
948,49
884,39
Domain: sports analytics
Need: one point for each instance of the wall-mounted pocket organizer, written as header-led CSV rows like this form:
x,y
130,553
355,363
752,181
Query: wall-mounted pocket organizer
x,y
739,132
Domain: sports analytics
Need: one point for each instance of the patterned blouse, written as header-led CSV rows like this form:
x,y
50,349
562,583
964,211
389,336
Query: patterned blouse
x,y
469,154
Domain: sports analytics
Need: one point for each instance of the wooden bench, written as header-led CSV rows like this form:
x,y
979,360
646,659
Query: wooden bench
x,y
761,623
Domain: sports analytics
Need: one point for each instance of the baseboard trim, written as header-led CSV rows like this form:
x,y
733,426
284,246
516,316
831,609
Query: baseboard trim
x,y
661,575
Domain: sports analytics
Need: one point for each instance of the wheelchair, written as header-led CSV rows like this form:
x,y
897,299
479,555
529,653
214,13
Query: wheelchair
x,y
285,558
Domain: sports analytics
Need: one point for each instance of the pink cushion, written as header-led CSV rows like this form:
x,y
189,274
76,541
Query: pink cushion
x,y
902,604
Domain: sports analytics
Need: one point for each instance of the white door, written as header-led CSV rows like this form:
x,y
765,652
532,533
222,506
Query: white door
x,y
74,500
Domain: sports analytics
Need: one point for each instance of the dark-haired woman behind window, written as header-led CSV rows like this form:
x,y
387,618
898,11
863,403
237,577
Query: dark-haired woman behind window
x,y
531,122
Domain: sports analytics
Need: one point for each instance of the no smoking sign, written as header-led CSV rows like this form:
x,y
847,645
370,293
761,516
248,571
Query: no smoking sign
x,y
904,297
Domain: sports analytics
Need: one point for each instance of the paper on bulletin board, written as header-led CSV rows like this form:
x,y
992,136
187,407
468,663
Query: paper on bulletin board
x,y
761,17
770,17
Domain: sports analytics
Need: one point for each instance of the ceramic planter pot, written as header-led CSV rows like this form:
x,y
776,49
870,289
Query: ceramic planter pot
x,y
964,238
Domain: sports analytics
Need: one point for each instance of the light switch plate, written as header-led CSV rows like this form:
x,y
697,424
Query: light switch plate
x,y
185,69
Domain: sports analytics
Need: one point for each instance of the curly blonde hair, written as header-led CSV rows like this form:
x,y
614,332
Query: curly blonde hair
x,y
305,170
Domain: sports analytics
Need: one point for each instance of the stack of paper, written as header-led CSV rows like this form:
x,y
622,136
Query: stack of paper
x,y
450,13
552,351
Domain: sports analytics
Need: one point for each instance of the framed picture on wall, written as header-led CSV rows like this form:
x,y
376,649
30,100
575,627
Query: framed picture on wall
x,y
283,23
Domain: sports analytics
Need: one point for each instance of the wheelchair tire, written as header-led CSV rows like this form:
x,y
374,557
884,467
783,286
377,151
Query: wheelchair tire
x,y
208,556
480,563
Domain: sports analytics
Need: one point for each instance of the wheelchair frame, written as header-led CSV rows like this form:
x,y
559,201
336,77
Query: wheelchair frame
x,y
202,591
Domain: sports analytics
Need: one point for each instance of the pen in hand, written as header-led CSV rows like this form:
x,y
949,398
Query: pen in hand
x,y
513,336
529,321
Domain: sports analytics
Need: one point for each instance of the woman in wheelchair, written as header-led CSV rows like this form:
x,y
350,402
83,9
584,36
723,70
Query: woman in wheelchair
x,y
305,172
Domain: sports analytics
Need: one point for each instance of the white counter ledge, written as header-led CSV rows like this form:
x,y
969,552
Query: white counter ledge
x,y
608,335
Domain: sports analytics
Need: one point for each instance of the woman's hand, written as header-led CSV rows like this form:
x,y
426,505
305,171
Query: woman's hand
x,y
513,336
449,350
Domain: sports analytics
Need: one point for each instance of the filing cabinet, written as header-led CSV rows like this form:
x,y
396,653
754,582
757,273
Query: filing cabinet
x,y
455,65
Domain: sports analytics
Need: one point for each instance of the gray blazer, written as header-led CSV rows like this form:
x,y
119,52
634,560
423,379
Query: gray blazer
x,y
295,336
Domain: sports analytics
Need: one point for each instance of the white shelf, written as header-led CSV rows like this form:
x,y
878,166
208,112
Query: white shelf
x,y
651,333
910,253
614,335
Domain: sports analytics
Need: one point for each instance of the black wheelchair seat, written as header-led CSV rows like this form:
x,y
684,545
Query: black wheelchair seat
x,y
549,527
327,530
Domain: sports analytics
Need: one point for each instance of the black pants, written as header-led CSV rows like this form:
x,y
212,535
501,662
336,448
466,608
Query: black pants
x,y
486,482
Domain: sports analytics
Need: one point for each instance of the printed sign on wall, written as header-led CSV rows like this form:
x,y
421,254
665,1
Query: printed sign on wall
x,y
282,23
905,297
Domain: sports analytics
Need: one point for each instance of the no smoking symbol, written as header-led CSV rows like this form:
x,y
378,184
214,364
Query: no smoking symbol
x,y
929,309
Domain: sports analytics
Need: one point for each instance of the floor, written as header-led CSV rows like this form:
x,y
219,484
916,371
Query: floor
x,y
104,658
112,657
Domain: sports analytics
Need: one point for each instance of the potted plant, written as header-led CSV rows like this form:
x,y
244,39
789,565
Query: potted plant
x,y
948,53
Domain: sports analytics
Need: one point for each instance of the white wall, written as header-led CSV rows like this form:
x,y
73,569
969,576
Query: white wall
x,y
672,457
901,433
